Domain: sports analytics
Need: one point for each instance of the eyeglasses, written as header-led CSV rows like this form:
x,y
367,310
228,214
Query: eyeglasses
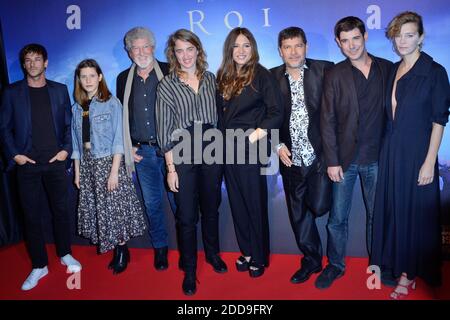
x,y
135,49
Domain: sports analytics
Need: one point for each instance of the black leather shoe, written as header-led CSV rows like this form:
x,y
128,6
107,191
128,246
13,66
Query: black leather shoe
x,y
327,277
256,270
242,264
217,263
189,283
303,274
161,263
121,259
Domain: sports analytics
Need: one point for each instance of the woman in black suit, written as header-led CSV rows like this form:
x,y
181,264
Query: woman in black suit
x,y
250,103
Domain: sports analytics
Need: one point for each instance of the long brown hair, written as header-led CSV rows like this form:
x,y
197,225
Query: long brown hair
x,y
186,35
230,82
80,95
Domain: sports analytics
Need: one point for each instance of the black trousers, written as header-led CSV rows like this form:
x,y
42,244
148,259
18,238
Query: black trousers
x,y
32,180
247,192
302,219
199,188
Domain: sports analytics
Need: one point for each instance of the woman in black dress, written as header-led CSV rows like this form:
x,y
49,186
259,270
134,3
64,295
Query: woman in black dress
x,y
406,229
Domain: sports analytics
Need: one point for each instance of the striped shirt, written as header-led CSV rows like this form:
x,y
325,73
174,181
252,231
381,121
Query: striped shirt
x,y
178,106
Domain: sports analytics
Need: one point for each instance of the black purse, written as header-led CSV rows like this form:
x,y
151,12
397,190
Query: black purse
x,y
319,190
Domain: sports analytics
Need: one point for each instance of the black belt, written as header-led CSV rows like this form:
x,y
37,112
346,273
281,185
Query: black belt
x,y
147,143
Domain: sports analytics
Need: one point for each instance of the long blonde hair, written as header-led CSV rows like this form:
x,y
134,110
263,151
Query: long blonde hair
x,y
230,82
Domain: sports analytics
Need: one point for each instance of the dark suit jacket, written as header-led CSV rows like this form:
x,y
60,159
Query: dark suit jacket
x,y
340,112
122,80
312,82
15,118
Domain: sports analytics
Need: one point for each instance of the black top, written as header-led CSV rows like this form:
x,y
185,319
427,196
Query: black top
x,y
44,144
86,126
369,93
142,112
258,105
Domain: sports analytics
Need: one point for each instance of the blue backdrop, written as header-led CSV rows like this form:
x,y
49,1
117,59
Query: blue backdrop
x,y
75,30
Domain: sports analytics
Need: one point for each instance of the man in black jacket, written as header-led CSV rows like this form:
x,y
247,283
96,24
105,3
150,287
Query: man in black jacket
x,y
136,89
35,136
352,121
300,81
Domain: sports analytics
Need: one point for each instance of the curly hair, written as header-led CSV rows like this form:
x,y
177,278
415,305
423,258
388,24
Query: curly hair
x,y
230,81
186,35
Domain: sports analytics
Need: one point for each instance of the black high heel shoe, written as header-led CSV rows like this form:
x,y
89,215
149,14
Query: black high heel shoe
x,y
120,259
242,264
256,270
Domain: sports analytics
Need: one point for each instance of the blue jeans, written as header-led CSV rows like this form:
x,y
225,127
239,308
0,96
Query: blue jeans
x,y
151,173
342,201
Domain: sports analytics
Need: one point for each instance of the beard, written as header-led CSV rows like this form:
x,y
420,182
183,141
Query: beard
x,y
145,62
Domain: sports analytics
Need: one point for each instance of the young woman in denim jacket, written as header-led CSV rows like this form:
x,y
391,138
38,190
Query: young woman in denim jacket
x,y
109,211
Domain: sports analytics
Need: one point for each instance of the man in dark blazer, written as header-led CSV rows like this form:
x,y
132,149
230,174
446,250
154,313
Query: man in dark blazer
x,y
352,121
300,81
136,89
35,135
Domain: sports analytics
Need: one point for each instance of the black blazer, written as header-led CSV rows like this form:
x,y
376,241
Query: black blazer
x,y
15,119
340,112
258,105
122,80
313,80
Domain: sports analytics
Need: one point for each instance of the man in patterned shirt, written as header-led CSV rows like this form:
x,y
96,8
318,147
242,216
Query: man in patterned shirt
x,y
300,82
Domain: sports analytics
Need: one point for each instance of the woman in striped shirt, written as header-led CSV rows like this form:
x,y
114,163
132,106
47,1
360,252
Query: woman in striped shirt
x,y
186,109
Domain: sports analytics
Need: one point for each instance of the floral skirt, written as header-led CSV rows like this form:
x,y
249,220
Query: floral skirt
x,y
107,217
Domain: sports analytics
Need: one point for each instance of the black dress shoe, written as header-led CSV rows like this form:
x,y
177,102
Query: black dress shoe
x,y
256,270
328,276
120,259
217,263
303,274
160,262
189,283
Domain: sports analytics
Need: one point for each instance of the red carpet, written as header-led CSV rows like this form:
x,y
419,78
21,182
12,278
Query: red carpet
x,y
141,281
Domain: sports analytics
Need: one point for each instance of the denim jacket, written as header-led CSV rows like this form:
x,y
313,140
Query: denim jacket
x,y
106,135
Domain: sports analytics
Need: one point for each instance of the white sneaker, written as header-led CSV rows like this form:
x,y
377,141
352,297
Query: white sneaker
x,y
73,265
34,277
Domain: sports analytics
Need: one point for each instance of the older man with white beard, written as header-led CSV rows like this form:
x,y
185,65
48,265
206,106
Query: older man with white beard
x,y
136,89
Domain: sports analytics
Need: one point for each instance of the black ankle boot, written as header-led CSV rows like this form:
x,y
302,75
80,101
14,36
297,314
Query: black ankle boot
x,y
120,259
114,259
